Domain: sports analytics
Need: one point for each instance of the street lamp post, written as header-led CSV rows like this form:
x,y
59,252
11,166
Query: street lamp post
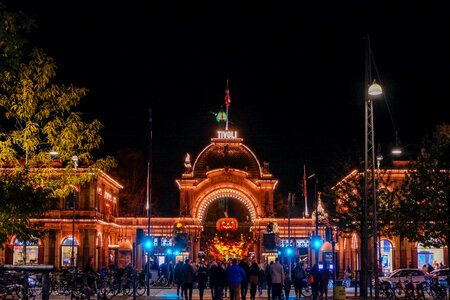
x,y
72,257
369,147
149,194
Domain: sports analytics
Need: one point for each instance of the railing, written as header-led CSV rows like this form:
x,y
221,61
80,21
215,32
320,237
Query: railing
x,y
26,270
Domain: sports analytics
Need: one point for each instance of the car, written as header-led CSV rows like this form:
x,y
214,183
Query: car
x,y
441,274
417,275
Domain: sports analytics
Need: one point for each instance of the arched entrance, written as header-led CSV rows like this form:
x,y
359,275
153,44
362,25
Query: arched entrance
x,y
226,206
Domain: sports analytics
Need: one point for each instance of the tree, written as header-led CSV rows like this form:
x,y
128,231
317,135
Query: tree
x,y
423,202
37,116
131,171
17,191
13,25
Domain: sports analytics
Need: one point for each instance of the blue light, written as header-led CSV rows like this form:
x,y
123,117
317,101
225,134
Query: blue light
x,y
177,252
169,251
279,252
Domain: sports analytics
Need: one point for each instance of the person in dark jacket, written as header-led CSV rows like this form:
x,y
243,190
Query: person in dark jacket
x,y
178,279
299,275
261,280
218,278
235,276
324,277
202,278
244,286
269,280
187,277
316,279
253,279
90,272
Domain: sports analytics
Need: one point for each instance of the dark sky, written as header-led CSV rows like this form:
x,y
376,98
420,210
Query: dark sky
x,y
296,74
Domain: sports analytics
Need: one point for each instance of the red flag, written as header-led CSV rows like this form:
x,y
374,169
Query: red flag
x,y
227,96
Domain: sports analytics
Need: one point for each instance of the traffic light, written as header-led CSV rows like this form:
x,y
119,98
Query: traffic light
x,y
289,251
316,242
147,243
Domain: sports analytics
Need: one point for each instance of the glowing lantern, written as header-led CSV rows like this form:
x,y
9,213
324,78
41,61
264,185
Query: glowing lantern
x,y
227,224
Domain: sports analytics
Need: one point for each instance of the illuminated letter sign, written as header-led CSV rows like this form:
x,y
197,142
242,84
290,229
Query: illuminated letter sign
x,y
226,134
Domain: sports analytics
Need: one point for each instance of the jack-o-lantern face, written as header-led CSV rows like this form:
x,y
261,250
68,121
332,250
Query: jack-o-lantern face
x,y
227,224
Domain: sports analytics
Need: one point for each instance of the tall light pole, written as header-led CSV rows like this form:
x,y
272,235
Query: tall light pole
x,y
370,90
72,257
149,194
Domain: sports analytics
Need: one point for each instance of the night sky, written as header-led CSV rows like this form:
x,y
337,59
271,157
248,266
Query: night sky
x,y
296,74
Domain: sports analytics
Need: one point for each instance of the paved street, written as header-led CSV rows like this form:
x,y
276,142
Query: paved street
x,y
165,293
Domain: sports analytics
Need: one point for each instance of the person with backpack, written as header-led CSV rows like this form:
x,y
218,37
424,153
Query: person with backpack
x,y
253,279
299,275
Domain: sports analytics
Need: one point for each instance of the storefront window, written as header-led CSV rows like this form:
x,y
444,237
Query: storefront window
x,y
66,252
32,252
429,256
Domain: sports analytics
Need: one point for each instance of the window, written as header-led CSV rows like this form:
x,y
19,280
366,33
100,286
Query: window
x,y
66,251
32,252
68,201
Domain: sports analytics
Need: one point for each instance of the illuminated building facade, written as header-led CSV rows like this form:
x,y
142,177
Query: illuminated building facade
x,y
225,170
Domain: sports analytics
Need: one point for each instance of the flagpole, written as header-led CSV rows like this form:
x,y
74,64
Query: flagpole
x,y
305,192
227,103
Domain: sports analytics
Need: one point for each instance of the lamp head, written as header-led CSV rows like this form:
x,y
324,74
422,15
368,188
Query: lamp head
x,y
396,150
375,89
379,157
53,153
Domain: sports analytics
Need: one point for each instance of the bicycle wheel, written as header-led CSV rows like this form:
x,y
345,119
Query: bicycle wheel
x,y
141,288
307,291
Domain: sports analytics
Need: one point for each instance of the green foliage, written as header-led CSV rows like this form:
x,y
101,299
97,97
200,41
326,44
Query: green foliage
x,y
423,203
21,198
344,199
38,117
12,27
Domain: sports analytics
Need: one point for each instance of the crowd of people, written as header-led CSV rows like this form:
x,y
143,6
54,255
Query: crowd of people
x,y
238,279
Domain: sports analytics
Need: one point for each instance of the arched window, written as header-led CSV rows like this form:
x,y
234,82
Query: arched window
x,y
66,252
32,252
386,256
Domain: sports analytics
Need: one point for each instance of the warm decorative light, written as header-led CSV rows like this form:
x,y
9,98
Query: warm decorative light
x,y
375,89
397,150
227,224
179,225
53,153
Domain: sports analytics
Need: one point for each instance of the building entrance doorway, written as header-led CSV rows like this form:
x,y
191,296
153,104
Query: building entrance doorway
x,y
226,230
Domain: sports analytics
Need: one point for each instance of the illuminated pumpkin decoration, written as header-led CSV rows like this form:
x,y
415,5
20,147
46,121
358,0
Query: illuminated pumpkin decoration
x,y
227,224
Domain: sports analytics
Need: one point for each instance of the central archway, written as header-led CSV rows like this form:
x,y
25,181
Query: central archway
x,y
209,197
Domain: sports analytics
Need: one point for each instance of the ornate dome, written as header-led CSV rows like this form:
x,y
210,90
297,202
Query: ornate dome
x,y
238,156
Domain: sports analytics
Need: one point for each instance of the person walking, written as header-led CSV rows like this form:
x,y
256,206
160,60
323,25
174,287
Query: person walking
x,y
187,277
314,279
269,280
299,275
324,276
202,278
218,279
277,276
211,268
287,286
261,279
244,286
235,276
253,279
178,278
